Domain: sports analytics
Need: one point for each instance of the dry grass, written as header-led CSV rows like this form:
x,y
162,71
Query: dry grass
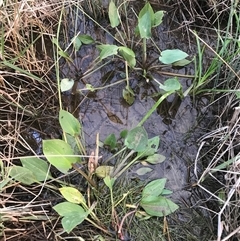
x,y
28,101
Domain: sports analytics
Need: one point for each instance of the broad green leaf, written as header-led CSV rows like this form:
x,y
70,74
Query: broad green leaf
x,y
109,182
72,213
170,85
113,14
23,175
103,171
72,220
137,139
66,84
147,9
155,159
143,170
170,56
69,123
144,26
64,208
128,96
154,188
59,154
72,195
182,63
107,50
39,167
158,16
158,206
128,55
73,143
111,141
86,39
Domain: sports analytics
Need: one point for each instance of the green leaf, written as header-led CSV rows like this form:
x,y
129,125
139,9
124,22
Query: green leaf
x,y
111,141
85,39
64,208
182,62
113,14
77,43
128,96
123,134
128,55
59,154
152,147
237,93
72,195
156,159
72,220
147,9
170,56
104,171
154,188
170,85
69,123
23,175
158,18
72,213
109,182
39,167
143,170
158,206
137,139
144,26
107,50
166,192
66,84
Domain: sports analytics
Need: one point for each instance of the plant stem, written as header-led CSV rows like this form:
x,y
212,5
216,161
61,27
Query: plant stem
x,y
144,52
154,107
126,71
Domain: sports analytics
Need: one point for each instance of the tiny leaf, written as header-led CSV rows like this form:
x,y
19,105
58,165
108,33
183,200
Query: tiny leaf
x,y
182,63
72,195
69,123
170,85
128,55
158,17
109,182
143,170
66,84
107,50
86,39
155,159
103,171
77,43
113,14
111,141
128,96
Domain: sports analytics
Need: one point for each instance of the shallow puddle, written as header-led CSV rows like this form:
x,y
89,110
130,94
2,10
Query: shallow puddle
x,y
176,121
